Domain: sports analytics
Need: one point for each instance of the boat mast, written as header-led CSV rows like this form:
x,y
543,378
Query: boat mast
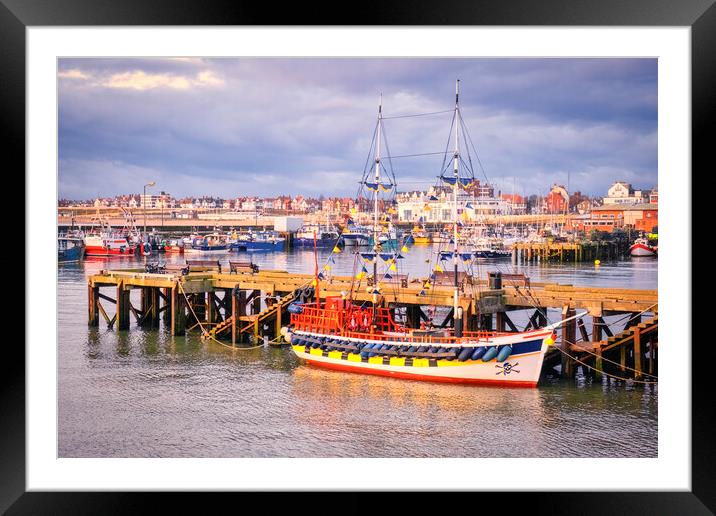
x,y
457,314
375,208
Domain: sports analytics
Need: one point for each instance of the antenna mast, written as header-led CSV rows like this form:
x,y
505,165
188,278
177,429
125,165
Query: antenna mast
x,y
457,314
375,208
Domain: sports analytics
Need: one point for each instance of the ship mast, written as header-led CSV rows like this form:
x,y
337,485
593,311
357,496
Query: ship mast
x,y
375,209
457,314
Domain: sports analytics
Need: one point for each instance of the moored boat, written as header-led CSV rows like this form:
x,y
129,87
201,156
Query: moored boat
x,y
259,241
420,235
363,336
324,236
642,247
69,249
208,245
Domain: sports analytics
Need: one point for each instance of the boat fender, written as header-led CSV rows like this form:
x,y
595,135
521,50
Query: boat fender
x,y
423,349
288,336
413,349
434,349
478,352
464,354
505,351
489,354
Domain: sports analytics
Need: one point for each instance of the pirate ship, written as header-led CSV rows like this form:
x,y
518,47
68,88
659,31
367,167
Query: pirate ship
x,y
340,333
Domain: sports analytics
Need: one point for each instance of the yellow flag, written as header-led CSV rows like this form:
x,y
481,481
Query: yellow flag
x,y
327,267
314,282
438,268
360,275
393,267
404,249
336,249
427,284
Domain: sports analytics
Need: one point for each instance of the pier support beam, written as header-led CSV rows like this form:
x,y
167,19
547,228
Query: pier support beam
x,y
122,307
93,309
167,308
637,354
569,333
178,312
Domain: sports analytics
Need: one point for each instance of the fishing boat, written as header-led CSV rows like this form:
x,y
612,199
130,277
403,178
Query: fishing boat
x,y
357,236
175,246
340,333
259,241
420,235
69,249
642,247
208,245
324,236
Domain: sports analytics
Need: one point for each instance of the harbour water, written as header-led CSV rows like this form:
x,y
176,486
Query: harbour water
x,y
144,393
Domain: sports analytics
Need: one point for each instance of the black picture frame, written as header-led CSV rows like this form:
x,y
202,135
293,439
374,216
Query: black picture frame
x,y
700,15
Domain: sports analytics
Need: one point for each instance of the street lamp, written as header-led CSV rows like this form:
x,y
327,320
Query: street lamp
x,y
144,207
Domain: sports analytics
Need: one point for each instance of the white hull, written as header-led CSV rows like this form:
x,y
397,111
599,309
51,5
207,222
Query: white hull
x,y
519,370
641,250
205,252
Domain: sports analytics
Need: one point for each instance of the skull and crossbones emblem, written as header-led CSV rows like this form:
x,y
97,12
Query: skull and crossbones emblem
x,y
506,368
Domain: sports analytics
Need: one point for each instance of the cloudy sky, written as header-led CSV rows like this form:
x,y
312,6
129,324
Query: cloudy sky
x,y
233,127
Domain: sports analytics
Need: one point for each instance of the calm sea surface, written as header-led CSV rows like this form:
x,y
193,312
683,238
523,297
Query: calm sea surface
x,y
144,393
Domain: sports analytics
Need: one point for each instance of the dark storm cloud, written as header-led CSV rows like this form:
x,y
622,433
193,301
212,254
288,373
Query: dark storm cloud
x,y
267,126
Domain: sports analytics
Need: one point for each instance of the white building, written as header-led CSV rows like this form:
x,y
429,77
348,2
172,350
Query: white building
x,y
623,193
437,206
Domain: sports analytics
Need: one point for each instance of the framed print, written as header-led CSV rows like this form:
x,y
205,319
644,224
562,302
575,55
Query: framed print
x,y
418,253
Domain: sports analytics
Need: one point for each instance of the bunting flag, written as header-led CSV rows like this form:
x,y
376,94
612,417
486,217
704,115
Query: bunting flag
x,y
353,211
393,267
469,206
438,268
404,249
427,285
426,208
386,257
326,267
449,180
368,257
466,182
466,257
371,186
444,255
336,249
331,259
422,293
314,282
321,276
363,269
375,291
432,198
392,210
386,187
399,257
345,230
360,275
387,276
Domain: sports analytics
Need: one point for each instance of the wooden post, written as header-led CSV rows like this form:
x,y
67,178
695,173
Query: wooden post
x,y
92,302
234,318
652,351
257,302
637,353
178,312
568,333
210,308
122,307
500,321
154,315
279,309
167,307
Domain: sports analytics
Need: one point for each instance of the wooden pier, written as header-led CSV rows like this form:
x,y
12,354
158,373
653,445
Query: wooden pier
x,y
586,251
247,305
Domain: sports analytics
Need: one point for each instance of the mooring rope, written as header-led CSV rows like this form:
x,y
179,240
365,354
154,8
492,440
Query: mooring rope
x,y
206,334
602,372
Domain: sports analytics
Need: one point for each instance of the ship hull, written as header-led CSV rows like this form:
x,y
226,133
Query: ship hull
x,y
641,250
521,369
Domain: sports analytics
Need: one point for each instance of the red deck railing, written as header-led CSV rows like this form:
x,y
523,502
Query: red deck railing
x,y
338,317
